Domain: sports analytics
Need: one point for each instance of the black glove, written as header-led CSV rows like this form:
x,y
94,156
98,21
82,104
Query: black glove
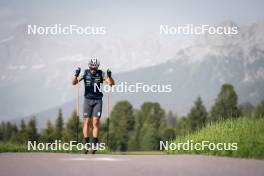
x,y
109,73
77,72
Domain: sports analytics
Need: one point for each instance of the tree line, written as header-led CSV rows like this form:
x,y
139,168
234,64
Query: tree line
x,y
136,129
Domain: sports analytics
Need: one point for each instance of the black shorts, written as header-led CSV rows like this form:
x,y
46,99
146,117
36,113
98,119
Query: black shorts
x,y
92,107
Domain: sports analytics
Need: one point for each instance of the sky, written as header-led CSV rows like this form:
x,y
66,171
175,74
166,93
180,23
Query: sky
x,y
134,17
126,22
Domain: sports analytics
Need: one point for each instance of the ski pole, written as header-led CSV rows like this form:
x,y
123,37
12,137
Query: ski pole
x,y
108,116
78,111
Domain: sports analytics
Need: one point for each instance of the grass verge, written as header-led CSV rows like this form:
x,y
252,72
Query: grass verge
x,y
247,133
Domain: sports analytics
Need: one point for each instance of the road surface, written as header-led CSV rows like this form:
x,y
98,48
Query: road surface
x,y
59,164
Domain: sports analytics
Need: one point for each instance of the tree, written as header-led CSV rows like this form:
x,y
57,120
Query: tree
x,y
49,133
168,134
23,126
198,115
150,140
2,131
133,143
122,134
246,108
121,124
21,136
183,127
135,139
171,120
225,104
11,129
59,126
32,133
23,132
259,110
154,124
69,133
103,130
153,113
7,130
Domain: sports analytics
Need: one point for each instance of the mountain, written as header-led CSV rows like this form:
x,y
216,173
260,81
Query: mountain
x,y
197,70
36,71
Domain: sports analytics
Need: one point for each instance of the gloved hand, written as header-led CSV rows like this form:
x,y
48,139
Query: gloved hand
x,y
109,73
77,72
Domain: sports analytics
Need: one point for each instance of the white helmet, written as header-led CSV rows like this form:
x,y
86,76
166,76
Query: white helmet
x,y
94,62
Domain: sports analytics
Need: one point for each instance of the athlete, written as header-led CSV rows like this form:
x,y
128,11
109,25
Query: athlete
x,y
92,105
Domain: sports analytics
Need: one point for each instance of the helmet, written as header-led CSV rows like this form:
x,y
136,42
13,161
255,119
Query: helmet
x,y
94,63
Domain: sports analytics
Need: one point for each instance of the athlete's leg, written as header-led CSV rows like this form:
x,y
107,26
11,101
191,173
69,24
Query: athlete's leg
x,y
96,131
86,125
97,111
96,128
87,114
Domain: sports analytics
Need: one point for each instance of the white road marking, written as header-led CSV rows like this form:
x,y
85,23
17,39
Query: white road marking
x,y
92,159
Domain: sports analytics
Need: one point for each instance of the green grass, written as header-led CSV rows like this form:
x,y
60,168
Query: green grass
x,y
247,133
9,147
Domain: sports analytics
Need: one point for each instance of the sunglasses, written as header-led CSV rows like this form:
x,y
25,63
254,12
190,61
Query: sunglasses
x,y
93,67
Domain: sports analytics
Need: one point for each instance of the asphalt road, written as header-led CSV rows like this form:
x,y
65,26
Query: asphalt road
x,y
54,164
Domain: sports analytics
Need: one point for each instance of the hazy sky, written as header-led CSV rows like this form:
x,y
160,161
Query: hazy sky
x,y
133,16
127,21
